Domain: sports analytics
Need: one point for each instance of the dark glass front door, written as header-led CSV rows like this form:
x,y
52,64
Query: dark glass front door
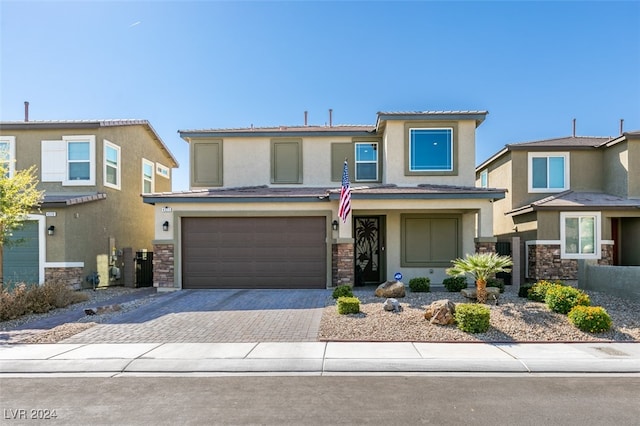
x,y
369,249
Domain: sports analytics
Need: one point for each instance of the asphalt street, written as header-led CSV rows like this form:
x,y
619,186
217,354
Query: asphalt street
x,y
356,400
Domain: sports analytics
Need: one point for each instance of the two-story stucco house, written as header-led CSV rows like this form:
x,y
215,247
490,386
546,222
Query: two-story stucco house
x,y
262,209
567,199
93,174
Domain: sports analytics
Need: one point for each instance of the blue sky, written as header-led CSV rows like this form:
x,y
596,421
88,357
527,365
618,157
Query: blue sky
x,y
209,64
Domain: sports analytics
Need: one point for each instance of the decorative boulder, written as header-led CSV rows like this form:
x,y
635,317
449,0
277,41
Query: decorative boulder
x,y
493,294
390,289
441,312
392,305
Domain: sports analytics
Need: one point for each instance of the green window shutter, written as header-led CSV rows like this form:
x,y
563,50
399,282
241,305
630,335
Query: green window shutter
x,y
340,151
207,163
286,161
430,240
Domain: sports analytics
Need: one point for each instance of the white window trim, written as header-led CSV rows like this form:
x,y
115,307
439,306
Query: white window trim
x,y
484,179
92,160
11,141
532,155
163,171
598,237
451,153
355,156
153,181
108,144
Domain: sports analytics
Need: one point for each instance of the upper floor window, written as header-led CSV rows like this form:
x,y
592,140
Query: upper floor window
x,y
70,160
431,149
366,161
162,170
484,179
548,172
580,235
286,161
147,176
8,154
111,165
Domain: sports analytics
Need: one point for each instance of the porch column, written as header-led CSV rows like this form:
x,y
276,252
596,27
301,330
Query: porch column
x,y
163,266
342,262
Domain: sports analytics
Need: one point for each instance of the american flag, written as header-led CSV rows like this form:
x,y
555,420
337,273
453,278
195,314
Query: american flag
x,y
345,194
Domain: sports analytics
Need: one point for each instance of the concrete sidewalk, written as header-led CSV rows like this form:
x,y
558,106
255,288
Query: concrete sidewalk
x,y
319,358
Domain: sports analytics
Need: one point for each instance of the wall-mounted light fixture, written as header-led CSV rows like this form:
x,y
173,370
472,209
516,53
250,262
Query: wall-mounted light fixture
x,y
165,225
334,225
51,230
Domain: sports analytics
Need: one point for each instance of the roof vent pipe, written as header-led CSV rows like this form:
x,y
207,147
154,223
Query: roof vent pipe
x,y
574,128
306,115
26,111
330,117
621,125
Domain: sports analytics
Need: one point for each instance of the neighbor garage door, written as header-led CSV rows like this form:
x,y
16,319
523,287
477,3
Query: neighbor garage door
x,y
21,261
254,252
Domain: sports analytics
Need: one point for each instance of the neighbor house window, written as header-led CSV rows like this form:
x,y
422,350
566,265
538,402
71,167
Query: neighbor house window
x,y
431,150
80,160
366,161
580,235
162,170
8,154
147,176
484,179
430,240
111,165
548,172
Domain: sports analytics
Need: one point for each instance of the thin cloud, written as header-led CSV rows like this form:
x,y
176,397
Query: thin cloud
x,y
135,24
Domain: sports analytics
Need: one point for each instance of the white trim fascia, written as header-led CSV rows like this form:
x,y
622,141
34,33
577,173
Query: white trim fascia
x,y
542,242
609,242
64,265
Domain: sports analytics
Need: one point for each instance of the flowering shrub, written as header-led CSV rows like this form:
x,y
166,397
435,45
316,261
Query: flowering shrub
x,y
538,292
593,319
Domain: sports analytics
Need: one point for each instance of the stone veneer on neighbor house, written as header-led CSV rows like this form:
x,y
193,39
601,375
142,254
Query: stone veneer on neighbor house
x,y
163,265
544,262
342,264
71,275
486,245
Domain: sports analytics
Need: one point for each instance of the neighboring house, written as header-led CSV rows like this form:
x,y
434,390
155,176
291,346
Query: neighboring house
x,y
93,174
262,210
568,199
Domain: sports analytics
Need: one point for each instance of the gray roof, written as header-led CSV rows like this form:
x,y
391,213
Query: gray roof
x,y
477,115
569,141
307,194
572,200
337,130
87,124
62,200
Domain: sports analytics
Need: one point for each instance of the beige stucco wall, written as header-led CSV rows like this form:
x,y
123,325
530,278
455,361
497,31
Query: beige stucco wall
x,y
391,209
616,169
634,168
499,175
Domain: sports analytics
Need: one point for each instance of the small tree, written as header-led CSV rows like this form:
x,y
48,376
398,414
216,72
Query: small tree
x,y
482,266
18,196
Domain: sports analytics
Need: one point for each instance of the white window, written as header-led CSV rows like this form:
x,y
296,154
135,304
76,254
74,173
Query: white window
x,y
580,235
147,176
484,179
366,161
111,165
8,154
548,171
162,170
431,150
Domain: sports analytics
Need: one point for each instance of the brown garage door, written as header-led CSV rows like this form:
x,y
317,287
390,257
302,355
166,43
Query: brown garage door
x,y
254,252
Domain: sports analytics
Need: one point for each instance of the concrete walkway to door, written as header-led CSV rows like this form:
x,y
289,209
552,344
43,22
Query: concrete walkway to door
x,y
210,316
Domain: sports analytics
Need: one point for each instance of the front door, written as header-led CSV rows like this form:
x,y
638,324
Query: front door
x,y
369,249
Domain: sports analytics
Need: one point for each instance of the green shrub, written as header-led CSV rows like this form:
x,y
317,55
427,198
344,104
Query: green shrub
x,y
342,290
562,299
524,290
455,284
472,318
539,290
593,319
420,284
348,305
496,282
25,299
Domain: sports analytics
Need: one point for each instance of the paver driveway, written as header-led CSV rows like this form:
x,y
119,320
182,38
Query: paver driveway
x,y
211,316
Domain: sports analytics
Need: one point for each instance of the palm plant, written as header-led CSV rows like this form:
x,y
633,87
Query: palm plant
x,y
482,266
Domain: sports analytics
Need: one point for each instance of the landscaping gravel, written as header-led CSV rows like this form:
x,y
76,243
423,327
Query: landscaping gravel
x,y
514,319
